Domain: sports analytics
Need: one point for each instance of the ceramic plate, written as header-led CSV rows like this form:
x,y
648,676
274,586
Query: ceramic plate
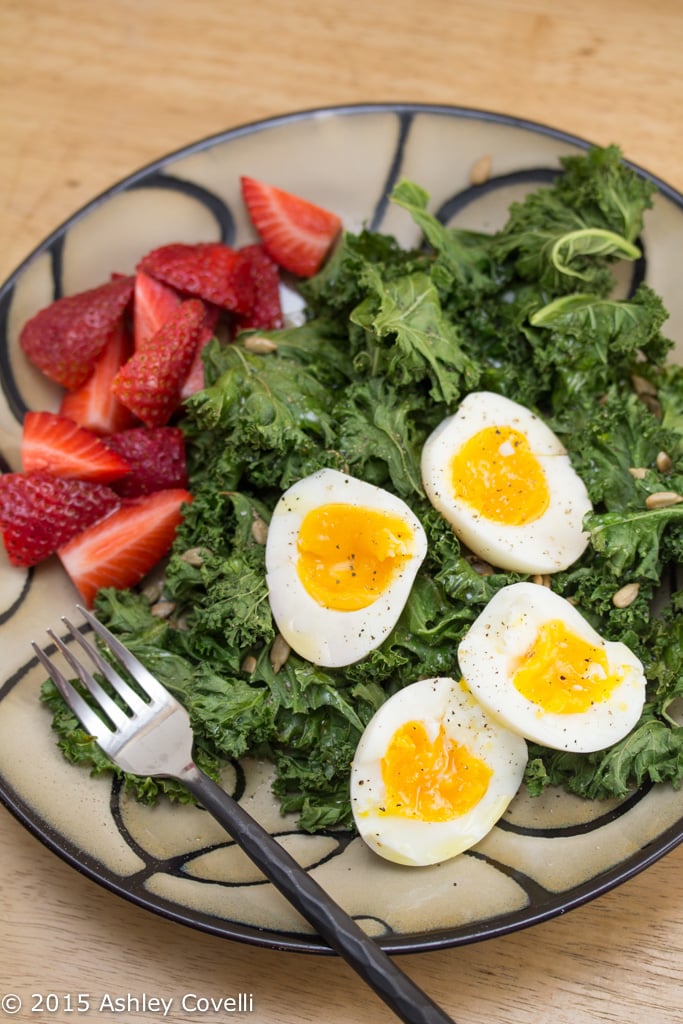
x,y
549,854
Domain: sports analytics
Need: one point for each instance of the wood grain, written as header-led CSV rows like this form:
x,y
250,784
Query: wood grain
x,y
88,93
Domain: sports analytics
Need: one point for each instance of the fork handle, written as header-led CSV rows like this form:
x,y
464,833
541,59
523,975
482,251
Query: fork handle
x,y
409,1002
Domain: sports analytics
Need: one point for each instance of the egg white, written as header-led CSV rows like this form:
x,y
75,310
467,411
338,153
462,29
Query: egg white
x,y
499,637
326,636
434,702
548,544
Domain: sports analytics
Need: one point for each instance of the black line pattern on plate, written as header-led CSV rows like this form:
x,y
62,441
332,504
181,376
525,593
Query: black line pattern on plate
x,y
118,815
176,864
450,207
217,206
583,827
56,251
405,121
536,893
8,384
16,604
17,677
639,269
386,928
342,841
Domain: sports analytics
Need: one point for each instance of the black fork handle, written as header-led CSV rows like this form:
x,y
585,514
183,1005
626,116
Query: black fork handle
x,y
408,1001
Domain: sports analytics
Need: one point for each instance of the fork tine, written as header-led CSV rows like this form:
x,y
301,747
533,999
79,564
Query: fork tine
x,y
140,674
130,697
91,722
113,712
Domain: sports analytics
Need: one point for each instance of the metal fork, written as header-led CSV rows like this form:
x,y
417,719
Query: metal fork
x,y
155,738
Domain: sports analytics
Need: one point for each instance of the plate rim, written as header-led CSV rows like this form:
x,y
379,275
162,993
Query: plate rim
x,y
415,942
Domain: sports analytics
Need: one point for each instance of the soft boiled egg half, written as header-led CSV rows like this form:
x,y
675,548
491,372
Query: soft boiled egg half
x,y
341,558
504,482
432,773
541,669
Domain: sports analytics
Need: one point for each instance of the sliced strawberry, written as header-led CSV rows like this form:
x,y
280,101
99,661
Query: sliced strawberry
x,y
156,458
51,443
93,404
205,270
39,512
150,382
266,310
120,549
297,234
65,338
153,304
195,378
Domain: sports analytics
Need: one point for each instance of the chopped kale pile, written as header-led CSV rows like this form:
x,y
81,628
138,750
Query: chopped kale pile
x,y
393,341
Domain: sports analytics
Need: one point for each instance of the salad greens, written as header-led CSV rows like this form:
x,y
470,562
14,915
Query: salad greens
x,y
394,339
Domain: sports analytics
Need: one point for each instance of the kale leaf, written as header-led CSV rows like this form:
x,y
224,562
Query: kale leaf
x,y
572,231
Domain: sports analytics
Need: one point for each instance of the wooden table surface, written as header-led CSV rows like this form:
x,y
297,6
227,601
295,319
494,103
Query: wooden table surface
x,y
89,92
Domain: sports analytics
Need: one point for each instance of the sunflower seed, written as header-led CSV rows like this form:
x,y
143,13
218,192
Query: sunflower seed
x,y
259,530
663,499
642,386
249,664
638,472
653,404
481,567
193,556
153,590
626,595
664,462
481,170
259,344
162,609
279,652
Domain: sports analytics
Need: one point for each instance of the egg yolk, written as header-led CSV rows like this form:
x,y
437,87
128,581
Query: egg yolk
x,y
349,555
432,780
563,673
496,472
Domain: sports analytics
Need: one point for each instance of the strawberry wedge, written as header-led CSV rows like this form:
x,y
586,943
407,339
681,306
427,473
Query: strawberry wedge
x,y
150,383
39,512
93,404
119,550
266,309
295,232
205,270
55,444
153,303
195,377
156,457
65,339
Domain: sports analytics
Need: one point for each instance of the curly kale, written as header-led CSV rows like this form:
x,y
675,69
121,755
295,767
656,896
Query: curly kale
x,y
393,341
